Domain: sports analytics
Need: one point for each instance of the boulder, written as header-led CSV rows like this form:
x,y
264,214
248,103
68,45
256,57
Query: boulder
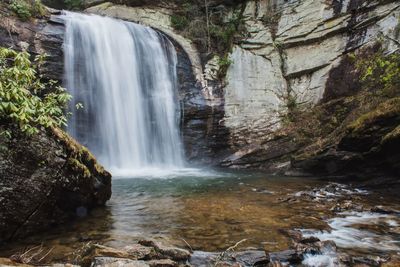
x,y
173,253
50,178
117,262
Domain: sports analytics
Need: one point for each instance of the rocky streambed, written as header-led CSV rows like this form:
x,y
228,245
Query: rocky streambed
x,y
234,219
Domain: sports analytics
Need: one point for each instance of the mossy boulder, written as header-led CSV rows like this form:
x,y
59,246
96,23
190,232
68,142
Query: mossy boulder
x,y
45,180
369,130
369,144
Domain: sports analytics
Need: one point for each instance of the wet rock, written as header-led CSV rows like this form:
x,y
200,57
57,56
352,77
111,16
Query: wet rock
x,y
163,263
289,256
64,265
49,177
276,264
309,240
7,263
385,210
117,262
140,252
202,258
252,258
345,206
133,252
316,247
393,262
173,253
369,261
260,154
227,264
298,238
244,258
103,251
295,235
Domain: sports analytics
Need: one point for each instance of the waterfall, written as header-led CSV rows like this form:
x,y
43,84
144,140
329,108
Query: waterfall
x,y
124,74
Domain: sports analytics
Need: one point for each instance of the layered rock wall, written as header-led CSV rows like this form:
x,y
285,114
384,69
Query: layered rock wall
x,y
295,45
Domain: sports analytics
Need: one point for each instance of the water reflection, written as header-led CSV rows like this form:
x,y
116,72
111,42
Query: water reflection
x,y
211,213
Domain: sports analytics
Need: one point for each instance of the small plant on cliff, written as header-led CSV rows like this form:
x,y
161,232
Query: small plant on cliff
x,y
380,73
179,22
25,99
223,65
26,9
22,9
73,4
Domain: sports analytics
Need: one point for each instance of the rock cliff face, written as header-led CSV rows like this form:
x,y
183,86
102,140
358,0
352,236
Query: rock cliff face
x,y
46,180
296,46
204,134
296,52
38,36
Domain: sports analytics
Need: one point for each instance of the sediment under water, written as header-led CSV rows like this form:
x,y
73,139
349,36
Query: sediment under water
x,y
124,75
212,213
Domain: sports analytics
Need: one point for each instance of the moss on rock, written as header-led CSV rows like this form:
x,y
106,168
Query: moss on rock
x,y
393,136
79,153
384,111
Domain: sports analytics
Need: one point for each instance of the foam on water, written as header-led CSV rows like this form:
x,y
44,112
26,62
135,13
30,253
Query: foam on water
x,y
347,233
160,173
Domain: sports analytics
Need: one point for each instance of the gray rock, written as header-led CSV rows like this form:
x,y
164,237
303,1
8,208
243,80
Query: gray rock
x,y
117,262
173,253
163,263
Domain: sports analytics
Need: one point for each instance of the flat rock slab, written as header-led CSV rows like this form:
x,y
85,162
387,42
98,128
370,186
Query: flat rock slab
x,y
132,252
117,262
173,253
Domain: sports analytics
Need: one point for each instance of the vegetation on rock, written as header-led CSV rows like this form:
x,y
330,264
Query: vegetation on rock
x,y
26,9
209,26
25,98
360,123
73,4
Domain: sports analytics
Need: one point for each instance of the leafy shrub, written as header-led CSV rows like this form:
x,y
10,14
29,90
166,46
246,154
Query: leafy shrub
x,y
38,9
22,9
205,24
223,33
179,22
25,9
73,4
24,98
380,73
223,64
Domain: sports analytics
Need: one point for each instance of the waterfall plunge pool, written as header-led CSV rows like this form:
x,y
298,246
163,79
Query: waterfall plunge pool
x,y
125,76
214,211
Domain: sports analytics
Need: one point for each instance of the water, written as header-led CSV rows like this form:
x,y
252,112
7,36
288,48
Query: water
x,y
124,74
214,212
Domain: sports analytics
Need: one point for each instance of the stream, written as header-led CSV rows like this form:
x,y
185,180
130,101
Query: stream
x,y
211,211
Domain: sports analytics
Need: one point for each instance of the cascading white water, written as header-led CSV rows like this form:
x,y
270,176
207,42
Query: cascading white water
x,y
124,74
